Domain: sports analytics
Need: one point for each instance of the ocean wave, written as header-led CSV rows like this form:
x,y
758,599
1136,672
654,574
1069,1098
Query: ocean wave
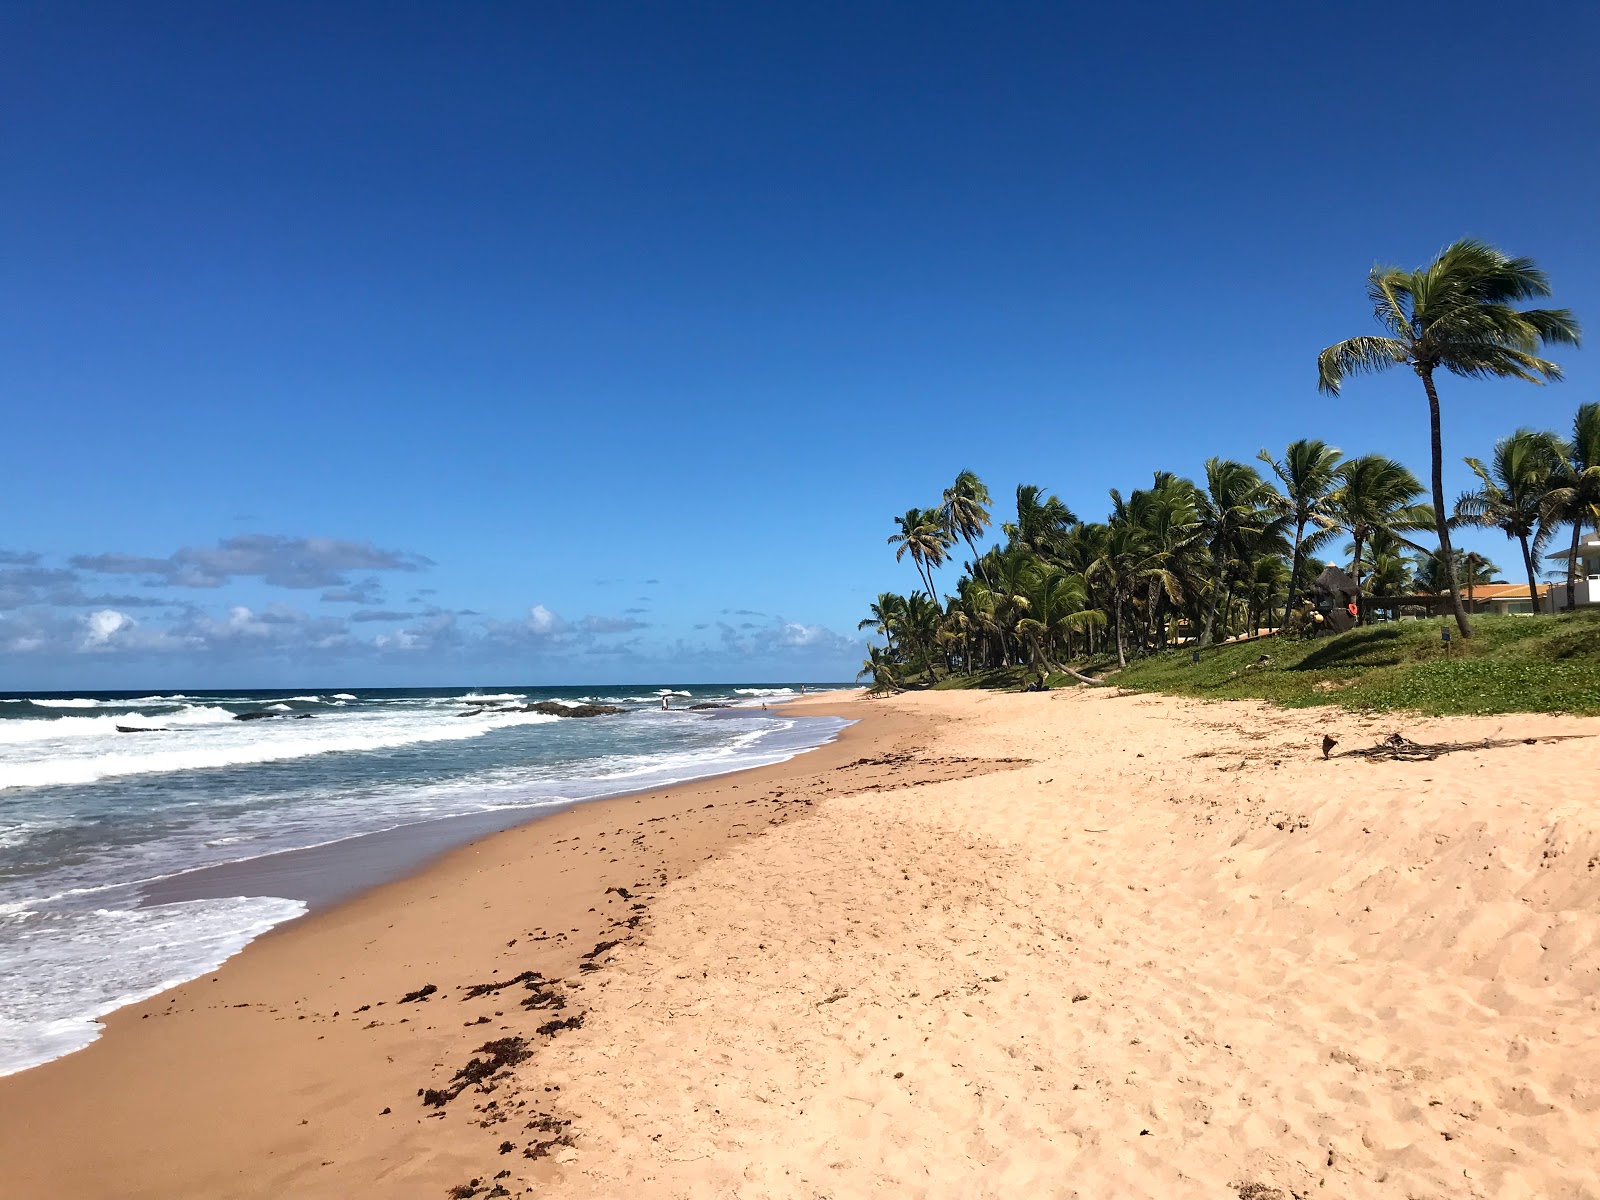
x,y
62,971
277,708
248,743
780,691
74,703
53,729
484,697
343,696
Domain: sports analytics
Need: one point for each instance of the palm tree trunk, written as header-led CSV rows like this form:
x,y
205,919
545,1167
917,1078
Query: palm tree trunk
x,y
1440,521
1294,569
1356,569
1211,613
1122,654
1533,582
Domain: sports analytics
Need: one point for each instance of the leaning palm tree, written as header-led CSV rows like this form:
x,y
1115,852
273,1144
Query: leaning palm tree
x,y
923,536
966,513
1574,495
1513,493
1454,315
1376,495
1306,473
880,664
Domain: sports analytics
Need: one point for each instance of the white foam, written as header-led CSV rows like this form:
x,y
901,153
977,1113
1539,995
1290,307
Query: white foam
x,y
72,759
76,703
482,696
343,696
62,971
278,708
764,692
69,730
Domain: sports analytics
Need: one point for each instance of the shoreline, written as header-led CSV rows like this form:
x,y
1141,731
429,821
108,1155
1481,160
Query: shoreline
x,y
151,1076
1086,942
330,873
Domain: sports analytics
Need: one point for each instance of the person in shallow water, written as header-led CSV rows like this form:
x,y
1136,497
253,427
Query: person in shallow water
x,y
664,704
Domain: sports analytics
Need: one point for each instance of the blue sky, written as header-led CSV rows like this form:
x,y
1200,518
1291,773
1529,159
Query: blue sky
x,y
602,342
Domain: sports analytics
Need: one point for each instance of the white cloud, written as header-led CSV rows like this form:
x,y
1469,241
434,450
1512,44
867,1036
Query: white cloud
x,y
103,625
543,622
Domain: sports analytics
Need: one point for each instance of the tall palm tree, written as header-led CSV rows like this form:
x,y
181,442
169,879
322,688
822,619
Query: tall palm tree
x,y
923,535
966,513
1574,495
1513,492
1376,494
1454,315
1306,473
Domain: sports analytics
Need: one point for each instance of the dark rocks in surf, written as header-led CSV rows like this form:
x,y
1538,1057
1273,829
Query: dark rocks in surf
x,y
256,716
549,708
140,729
698,707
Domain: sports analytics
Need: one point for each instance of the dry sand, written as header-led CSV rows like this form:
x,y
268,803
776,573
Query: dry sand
x,y
1077,944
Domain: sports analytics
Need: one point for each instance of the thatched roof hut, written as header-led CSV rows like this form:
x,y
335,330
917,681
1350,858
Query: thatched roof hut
x,y
1334,593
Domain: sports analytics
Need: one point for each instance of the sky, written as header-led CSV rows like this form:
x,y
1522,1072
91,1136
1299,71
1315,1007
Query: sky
x,y
428,344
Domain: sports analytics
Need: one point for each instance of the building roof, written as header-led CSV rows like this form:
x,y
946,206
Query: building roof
x,y
1504,591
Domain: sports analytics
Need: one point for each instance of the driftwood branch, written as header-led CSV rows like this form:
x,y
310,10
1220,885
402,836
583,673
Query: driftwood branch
x,y
1396,748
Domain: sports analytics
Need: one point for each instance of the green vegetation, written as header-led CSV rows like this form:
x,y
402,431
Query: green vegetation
x,y
1182,564
1515,664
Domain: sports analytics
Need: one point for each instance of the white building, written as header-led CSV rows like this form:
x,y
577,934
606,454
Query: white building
x,y
1587,590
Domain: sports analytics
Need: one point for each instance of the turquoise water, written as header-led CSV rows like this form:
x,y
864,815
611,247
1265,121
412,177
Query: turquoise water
x,y
102,793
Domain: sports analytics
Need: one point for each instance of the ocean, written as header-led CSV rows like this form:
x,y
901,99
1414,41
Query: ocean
x,y
106,797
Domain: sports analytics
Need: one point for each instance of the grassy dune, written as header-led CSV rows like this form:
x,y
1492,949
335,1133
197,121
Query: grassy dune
x,y
1514,664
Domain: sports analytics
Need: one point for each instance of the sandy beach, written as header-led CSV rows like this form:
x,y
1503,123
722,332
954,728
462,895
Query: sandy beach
x,y
1086,943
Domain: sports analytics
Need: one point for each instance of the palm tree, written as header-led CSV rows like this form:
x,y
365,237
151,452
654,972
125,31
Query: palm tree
x,y
1042,524
923,535
1055,606
922,628
1386,565
1376,494
888,617
881,666
1125,565
1574,495
1513,494
966,513
1456,315
1236,517
1471,568
1306,473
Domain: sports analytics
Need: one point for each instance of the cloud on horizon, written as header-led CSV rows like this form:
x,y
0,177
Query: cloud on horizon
x,y
43,621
